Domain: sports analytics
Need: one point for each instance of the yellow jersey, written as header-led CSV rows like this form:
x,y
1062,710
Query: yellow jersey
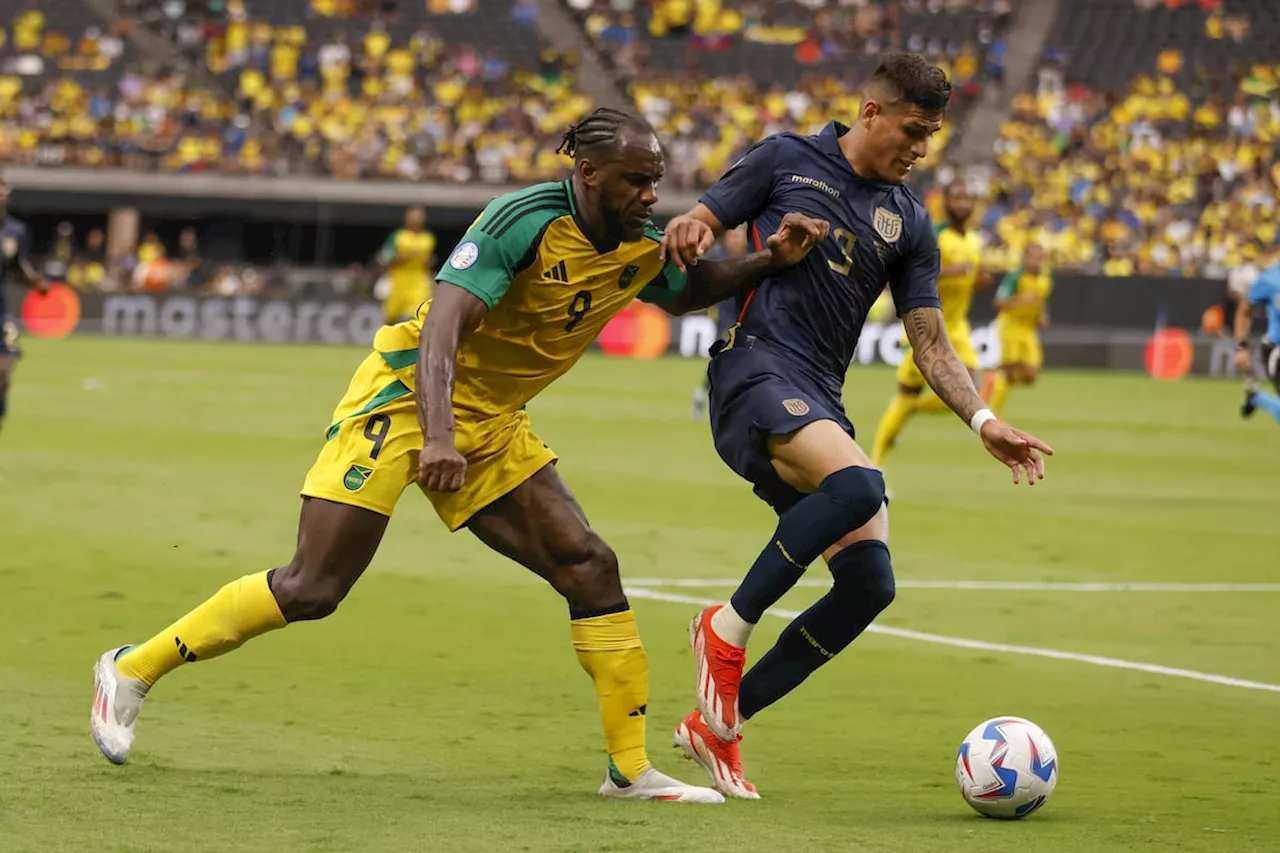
x,y
549,291
408,257
1022,283
956,291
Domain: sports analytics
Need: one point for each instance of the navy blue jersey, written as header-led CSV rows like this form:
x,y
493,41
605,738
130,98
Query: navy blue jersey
x,y
15,243
812,313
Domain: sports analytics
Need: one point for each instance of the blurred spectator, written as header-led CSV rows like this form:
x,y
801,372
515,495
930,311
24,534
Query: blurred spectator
x,y
57,261
89,269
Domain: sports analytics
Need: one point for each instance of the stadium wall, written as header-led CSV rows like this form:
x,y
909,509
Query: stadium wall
x,y
1098,323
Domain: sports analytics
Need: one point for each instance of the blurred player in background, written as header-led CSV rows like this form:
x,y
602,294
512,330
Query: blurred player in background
x,y
960,250
407,258
1022,301
440,402
15,244
1263,294
777,413
732,245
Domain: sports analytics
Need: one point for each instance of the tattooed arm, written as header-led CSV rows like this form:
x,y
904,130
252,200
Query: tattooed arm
x,y
939,364
949,378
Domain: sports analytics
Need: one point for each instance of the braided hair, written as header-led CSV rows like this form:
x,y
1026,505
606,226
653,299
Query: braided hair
x,y
602,127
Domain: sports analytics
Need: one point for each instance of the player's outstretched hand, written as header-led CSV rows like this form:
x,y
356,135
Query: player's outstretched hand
x,y
796,235
1021,451
441,468
684,240
1244,360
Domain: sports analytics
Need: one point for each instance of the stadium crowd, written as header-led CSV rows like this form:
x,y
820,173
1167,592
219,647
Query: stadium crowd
x,y
269,100
1173,173
716,75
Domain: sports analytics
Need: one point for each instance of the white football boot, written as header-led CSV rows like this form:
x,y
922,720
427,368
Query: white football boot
x,y
652,785
116,703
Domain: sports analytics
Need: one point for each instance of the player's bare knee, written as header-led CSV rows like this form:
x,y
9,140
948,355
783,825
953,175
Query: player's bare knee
x,y
876,529
305,591
588,576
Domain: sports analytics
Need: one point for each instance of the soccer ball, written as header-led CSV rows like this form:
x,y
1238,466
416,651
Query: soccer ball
x,y
1007,767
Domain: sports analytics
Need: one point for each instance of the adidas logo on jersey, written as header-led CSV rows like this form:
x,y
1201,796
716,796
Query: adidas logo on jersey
x,y
558,273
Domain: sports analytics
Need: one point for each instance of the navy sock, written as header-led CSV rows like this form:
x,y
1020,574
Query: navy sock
x,y
863,587
845,501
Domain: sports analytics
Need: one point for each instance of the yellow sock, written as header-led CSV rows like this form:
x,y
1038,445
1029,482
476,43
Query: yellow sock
x,y
609,649
891,423
999,393
239,611
931,403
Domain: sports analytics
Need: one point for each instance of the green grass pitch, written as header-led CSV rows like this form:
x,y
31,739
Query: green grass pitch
x,y
442,709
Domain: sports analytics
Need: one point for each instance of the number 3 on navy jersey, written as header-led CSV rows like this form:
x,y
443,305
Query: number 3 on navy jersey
x,y
845,240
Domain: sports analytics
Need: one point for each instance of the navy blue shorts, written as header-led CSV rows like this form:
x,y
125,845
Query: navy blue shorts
x,y
10,340
755,395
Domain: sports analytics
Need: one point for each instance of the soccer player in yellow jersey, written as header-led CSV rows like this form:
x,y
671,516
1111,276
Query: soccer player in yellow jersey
x,y
960,274
440,403
407,258
1022,300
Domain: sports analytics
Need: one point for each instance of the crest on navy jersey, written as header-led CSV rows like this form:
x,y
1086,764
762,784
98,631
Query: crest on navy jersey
x,y
9,247
796,407
888,225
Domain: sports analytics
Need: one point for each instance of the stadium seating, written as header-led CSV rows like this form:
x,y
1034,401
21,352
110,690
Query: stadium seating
x,y
1157,159
715,76
409,95
1154,158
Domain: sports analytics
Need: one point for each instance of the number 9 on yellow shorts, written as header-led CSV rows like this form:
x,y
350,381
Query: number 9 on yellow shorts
x,y
372,446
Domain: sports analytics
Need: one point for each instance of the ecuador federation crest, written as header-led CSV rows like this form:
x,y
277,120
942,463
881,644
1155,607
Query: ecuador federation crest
x,y
795,406
888,225
10,247
356,477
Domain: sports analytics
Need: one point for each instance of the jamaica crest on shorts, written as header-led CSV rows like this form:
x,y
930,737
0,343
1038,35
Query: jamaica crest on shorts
x,y
356,477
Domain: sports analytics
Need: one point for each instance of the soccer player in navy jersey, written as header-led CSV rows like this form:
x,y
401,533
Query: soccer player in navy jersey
x,y
776,410
15,265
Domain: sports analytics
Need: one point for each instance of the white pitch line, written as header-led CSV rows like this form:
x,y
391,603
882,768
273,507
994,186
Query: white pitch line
x,y
1021,586
960,642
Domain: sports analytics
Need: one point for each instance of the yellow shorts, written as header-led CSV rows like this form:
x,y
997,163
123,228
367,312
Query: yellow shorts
x,y
1020,346
910,376
402,303
372,447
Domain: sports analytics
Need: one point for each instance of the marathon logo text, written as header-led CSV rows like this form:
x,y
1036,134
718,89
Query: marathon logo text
x,y
814,182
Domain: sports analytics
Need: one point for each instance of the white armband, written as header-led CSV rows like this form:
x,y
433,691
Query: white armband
x,y
979,418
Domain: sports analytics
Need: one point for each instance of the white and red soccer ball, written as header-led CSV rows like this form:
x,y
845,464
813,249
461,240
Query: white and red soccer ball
x,y
1007,767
